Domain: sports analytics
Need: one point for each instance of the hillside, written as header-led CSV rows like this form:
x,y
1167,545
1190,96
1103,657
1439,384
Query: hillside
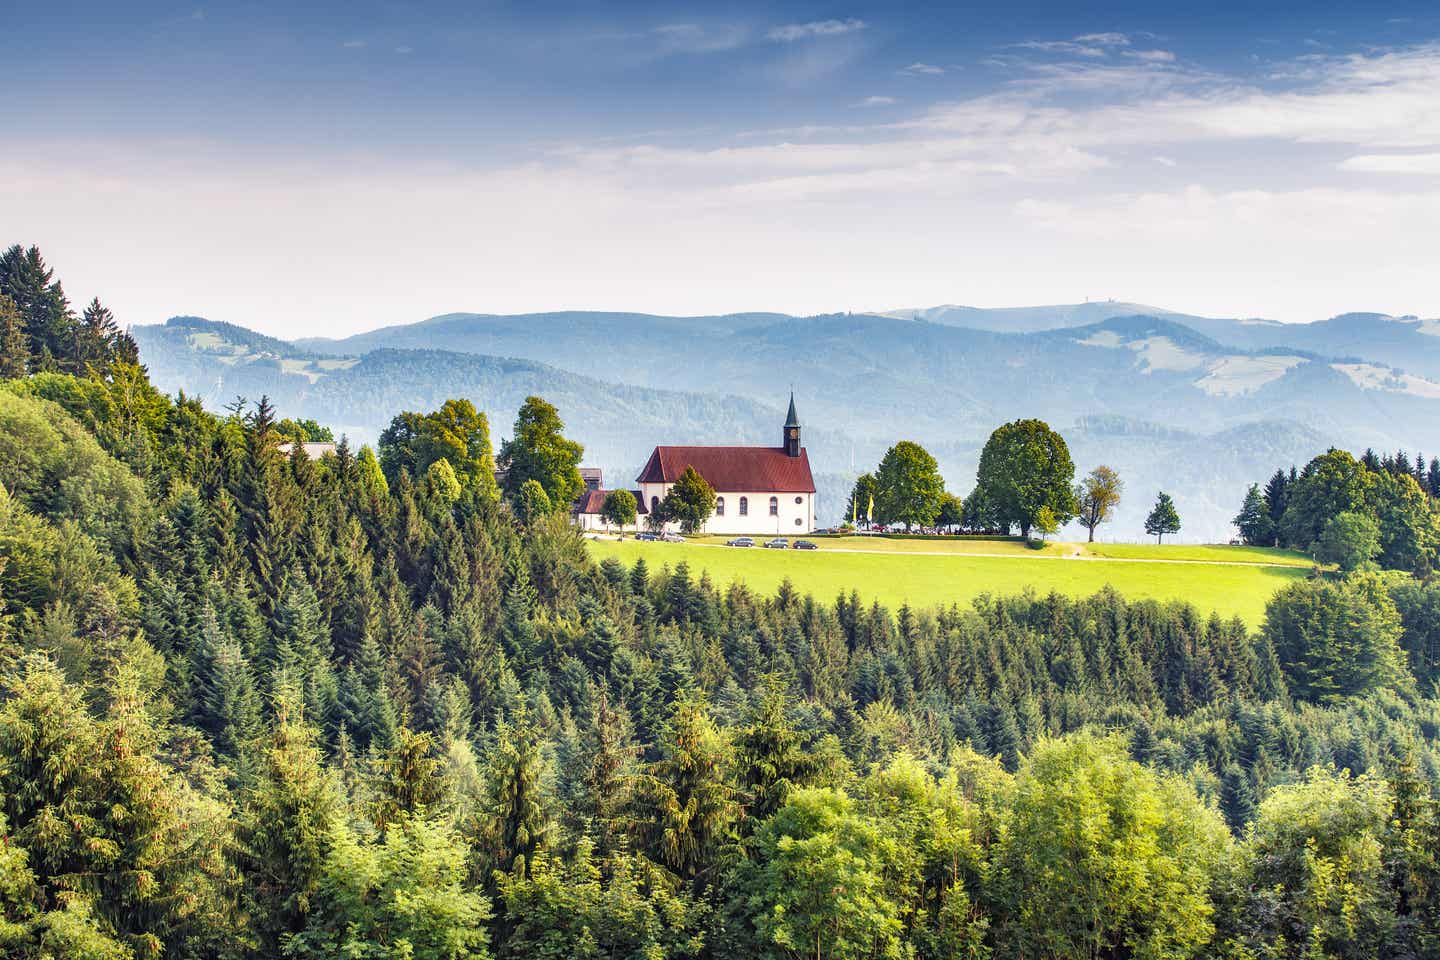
x,y
1169,405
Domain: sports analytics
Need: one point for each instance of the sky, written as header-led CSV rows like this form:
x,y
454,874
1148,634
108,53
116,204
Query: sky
x,y
324,171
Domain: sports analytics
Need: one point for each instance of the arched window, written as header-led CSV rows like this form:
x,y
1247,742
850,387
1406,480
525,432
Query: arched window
x,y
744,506
774,506
654,504
719,506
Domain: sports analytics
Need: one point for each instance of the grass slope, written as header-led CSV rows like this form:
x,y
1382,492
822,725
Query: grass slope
x,y
894,578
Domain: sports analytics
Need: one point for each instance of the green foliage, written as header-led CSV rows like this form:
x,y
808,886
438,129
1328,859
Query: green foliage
x,y
690,501
456,433
908,486
1025,466
538,450
1163,517
400,896
1103,858
1253,521
1097,496
1349,540
861,505
1336,640
620,508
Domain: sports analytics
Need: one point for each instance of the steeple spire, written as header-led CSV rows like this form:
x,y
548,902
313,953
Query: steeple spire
x,y
792,430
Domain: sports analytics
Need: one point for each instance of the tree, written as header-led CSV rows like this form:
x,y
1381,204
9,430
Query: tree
x,y
14,344
539,451
952,512
1045,522
908,486
690,501
401,896
620,508
861,504
1277,499
1311,878
1349,540
513,823
1335,640
1253,521
1332,483
1025,466
1163,517
1097,496
456,433
1103,858
533,502
817,885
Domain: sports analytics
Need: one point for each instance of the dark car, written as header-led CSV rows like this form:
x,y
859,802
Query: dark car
x,y
647,536
779,543
672,537
805,545
740,542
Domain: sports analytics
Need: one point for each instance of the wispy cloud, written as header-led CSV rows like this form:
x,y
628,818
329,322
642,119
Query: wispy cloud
x,y
404,49
700,38
1416,163
918,69
875,101
791,32
353,44
1152,56
1094,45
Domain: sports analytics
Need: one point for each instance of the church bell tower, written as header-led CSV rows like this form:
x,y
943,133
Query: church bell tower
x,y
792,430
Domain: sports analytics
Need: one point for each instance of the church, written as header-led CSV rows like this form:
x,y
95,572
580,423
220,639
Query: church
x,y
764,491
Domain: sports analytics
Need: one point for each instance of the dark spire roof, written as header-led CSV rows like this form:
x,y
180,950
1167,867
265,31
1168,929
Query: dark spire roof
x,y
791,420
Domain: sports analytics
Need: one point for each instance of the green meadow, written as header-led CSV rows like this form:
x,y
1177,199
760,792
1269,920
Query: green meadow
x,y
1229,580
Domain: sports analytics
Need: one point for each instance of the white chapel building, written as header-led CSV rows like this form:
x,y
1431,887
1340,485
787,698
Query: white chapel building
x,y
758,490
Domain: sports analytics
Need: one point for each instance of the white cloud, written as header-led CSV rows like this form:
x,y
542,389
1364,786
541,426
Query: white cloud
x,y
1152,56
700,38
875,102
353,44
922,69
404,49
1167,161
1104,39
1422,163
815,28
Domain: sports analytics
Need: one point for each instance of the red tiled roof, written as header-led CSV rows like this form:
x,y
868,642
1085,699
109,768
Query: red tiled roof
x,y
592,501
733,469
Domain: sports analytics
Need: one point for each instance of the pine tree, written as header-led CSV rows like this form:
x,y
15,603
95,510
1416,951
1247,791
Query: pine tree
x,y
14,344
1163,518
409,779
284,831
1253,521
512,823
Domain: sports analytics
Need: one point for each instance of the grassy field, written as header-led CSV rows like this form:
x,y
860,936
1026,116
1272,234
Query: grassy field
x,y
1205,553
893,577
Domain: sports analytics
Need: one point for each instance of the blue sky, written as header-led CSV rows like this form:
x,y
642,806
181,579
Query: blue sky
x,y
343,166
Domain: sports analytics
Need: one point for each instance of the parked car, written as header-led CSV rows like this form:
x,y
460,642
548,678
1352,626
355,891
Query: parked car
x,y
669,537
740,542
779,543
805,545
647,535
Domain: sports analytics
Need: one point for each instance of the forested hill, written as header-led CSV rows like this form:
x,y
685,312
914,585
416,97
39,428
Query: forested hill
x,y
258,706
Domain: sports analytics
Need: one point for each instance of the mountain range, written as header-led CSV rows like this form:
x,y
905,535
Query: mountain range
x,y
1197,406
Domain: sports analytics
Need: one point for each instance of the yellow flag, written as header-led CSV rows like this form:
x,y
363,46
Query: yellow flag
x,y
870,511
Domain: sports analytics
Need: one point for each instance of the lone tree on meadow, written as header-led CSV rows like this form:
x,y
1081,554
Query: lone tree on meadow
x,y
539,451
1097,496
908,484
1163,518
619,508
690,501
1025,466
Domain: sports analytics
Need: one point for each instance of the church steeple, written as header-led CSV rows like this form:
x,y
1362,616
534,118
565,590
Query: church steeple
x,y
792,430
